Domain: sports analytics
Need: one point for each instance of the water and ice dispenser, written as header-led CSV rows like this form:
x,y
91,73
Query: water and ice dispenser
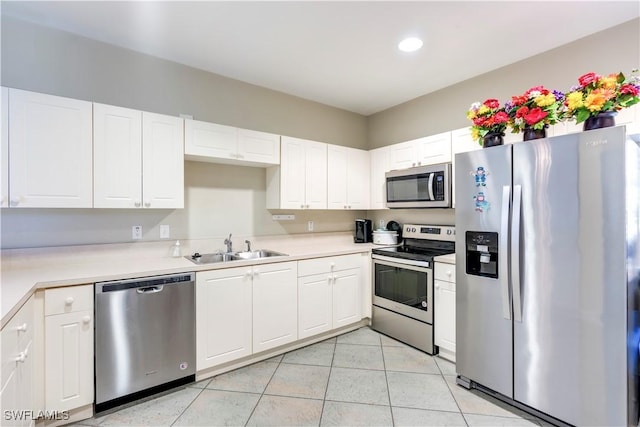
x,y
482,253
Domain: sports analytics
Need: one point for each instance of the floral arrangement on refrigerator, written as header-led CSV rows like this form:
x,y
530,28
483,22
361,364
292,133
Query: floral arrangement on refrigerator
x,y
595,94
537,108
488,117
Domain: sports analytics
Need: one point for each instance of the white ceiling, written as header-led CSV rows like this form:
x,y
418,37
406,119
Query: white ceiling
x,y
342,54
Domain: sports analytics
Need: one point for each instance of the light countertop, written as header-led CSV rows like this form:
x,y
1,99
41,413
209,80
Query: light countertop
x,y
448,259
26,270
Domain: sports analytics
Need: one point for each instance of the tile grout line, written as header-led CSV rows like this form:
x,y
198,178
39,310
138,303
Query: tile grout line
x,y
386,379
324,399
189,405
263,390
451,392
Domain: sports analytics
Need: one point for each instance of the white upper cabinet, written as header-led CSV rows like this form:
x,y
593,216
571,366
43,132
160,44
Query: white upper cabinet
x,y
380,163
300,182
347,178
4,149
117,157
215,143
50,151
138,159
162,161
428,150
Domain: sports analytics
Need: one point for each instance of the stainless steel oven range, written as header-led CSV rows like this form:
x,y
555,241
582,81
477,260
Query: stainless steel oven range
x,y
403,284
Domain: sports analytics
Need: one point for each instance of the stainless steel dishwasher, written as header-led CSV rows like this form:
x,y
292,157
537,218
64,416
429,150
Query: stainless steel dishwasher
x,y
144,337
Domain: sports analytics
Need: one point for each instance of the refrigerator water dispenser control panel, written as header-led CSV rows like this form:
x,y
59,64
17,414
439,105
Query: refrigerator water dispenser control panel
x,y
482,253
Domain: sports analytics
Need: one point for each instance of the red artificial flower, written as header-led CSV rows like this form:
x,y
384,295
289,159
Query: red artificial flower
x,y
479,121
534,116
629,89
519,100
540,89
501,117
492,103
588,78
521,112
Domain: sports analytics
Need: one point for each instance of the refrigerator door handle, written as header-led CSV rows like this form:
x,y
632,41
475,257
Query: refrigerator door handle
x,y
515,253
503,250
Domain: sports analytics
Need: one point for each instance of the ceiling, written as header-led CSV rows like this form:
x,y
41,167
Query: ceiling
x,y
342,54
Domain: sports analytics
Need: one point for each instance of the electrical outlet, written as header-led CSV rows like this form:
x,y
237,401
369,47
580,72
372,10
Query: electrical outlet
x,y
165,231
310,225
136,232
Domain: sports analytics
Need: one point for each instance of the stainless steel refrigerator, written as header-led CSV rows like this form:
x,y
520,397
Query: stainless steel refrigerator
x,y
548,270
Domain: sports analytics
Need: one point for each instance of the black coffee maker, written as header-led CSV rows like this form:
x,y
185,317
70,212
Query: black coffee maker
x,y
364,231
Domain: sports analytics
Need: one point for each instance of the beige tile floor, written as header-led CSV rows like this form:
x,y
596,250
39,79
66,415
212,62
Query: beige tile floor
x,y
361,378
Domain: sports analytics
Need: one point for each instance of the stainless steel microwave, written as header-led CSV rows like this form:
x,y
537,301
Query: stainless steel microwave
x,y
419,187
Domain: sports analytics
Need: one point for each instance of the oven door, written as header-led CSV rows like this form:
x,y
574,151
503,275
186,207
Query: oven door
x,y
401,286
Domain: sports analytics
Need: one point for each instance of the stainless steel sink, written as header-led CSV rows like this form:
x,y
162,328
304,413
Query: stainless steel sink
x,y
236,256
260,253
211,258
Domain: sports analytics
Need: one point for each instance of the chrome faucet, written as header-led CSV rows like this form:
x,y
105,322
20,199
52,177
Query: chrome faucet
x,y
248,242
229,243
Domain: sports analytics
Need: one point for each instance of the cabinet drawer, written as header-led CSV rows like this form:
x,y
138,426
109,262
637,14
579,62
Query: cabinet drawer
x,y
326,265
446,272
15,338
68,299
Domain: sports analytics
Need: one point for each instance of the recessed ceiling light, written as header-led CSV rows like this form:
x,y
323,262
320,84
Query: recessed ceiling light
x,y
410,44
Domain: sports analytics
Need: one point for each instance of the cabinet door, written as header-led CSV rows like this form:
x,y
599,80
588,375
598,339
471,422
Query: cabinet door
x,y
346,297
292,173
275,305
380,164
162,161
4,149
357,179
258,147
223,316
69,360
316,175
315,301
202,139
337,166
445,316
403,155
461,142
434,149
117,157
50,151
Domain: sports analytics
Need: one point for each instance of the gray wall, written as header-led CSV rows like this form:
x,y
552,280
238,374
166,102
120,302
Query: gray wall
x,y
51,61
612,50
59,63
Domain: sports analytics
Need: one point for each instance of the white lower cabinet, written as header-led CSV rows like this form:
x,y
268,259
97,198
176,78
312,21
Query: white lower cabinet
x,y
223,315
329,294
445,310
16,395
275,305
68,347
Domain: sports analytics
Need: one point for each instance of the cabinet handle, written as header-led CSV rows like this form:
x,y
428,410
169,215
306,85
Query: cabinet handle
x,y
248,275
437,286
68,301
137,203
14,202
147,203
256,273
301,206
86,319
22,328
349,206
419,163
332,265
307,206
449,273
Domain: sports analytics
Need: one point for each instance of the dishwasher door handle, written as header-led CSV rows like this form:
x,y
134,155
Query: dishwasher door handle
x,y
150,289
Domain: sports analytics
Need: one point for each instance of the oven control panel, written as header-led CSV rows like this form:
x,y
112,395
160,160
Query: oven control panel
x,y
430,232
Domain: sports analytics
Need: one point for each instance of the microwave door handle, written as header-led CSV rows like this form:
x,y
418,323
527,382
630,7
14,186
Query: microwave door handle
x,y
431,196
503,253
515,253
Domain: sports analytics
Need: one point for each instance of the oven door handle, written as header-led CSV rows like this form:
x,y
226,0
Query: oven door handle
x,y
402,261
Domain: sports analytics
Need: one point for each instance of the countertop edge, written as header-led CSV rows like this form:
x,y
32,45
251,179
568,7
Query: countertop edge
x,y
128,274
